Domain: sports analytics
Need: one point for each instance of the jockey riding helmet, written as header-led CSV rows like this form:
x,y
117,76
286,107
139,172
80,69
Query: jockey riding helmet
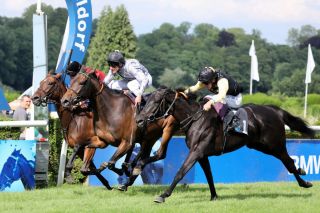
x,y
207,75
115,58
73,68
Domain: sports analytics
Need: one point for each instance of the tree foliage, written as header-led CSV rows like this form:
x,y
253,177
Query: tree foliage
x,y
16,45
172,54
114,32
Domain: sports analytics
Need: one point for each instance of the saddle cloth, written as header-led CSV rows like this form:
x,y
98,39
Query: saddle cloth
x,y
237,121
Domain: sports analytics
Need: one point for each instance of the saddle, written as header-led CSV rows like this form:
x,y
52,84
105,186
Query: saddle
x,y
132,98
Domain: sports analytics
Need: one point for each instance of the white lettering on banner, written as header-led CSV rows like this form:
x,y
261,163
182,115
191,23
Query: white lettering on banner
x,y
82,24
311,166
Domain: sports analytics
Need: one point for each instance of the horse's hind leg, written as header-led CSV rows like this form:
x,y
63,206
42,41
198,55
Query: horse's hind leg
x,y
289,164
205,165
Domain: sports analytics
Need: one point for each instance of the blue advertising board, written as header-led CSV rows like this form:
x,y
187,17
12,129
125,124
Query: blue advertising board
x,y
243,165
17,165
248,165
160,172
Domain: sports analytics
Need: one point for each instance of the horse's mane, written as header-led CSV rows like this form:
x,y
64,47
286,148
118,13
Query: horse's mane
x,y
114,91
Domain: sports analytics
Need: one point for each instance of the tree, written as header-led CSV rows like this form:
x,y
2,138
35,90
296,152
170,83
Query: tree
x,y
175,78
114,32
314,41
225,39
297,37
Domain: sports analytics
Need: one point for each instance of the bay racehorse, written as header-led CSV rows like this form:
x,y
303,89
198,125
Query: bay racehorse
x,y
77,125
115,123
205,136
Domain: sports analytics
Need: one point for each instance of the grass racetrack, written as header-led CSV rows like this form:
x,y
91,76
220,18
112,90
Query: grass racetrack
x,y
252,197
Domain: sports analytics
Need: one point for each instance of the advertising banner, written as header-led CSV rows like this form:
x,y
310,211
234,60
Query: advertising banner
x,y
248,165
243,165
17,165
77,34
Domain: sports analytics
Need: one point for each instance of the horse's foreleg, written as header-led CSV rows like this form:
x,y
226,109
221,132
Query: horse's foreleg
x,y
123,148
87,158
99,176
70,163
205,165
143,152
187,165
126,165
162,151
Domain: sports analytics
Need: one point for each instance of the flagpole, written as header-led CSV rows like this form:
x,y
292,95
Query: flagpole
x,y
250,83
305,101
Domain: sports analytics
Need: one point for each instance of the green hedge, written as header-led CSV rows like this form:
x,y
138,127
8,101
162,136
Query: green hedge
x,y
55,140
9,133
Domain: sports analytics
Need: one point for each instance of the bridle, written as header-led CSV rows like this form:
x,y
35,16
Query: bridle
x,y
47,99
184,123
85,87
160,108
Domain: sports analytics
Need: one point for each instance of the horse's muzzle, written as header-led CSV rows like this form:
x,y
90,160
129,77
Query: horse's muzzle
x,y
65,103
140,123
36,100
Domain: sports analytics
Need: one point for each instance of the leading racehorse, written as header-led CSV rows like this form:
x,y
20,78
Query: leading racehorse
x,y
114,120
77,126
205,136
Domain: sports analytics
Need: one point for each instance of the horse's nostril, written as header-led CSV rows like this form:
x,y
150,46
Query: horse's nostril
x,y
65,103
140,123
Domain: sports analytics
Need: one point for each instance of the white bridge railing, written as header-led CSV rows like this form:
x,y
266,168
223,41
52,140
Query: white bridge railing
x,y
315,128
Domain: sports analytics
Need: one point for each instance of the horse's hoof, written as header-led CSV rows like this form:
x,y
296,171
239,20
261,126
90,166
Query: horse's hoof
x,y
159,199
308,185
136,171
214,198
103,166
305,184
122,188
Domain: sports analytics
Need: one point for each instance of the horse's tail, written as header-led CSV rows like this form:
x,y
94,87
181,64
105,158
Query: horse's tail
x,y
295,123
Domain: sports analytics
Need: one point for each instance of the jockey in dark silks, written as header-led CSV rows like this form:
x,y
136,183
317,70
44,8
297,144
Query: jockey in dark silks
x,y
226,91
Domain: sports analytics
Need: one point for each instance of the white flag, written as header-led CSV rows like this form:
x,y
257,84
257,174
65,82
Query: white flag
x,y
254,63
310,65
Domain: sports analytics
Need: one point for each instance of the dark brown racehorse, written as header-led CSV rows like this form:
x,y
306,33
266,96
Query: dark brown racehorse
x,y
115,122
77,126
204,134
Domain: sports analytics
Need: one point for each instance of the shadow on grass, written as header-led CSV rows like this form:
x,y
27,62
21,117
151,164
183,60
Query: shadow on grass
x,y
198,189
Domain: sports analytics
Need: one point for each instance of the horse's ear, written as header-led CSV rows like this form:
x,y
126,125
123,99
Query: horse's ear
x,y
51,72
58,75
183,95
91,71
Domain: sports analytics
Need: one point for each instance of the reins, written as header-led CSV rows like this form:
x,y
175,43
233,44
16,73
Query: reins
x,y
166,112
188,120
185,122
